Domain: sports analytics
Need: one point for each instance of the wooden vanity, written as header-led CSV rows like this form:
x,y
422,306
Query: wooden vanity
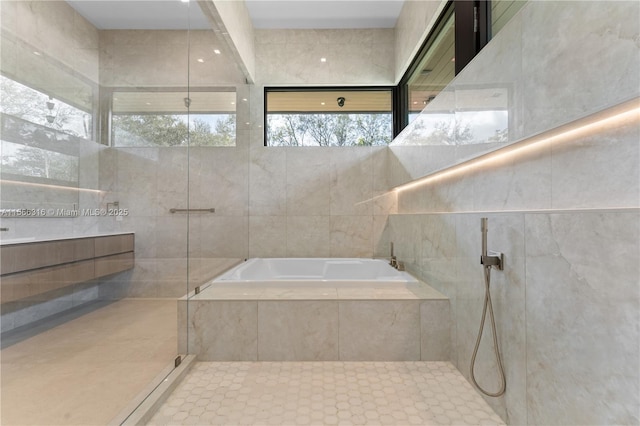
x,y
32,268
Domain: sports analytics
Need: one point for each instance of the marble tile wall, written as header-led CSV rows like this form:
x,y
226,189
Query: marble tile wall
x,y
354,57
270,202
565,215
232,19
313,326
164,58
54,28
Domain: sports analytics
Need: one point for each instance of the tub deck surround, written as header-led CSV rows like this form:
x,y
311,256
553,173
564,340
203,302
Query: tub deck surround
x,y
295,320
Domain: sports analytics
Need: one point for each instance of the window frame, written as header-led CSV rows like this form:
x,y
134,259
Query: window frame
x,y
106,106
392,89
467,44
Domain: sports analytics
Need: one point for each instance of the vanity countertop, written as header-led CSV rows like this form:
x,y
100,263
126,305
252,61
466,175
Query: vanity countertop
x,y
28,240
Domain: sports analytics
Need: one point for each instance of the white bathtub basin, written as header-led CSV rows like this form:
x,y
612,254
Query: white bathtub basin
x,y
313,272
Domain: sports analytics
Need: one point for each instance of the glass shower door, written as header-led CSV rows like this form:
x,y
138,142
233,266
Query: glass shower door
x,y
95,150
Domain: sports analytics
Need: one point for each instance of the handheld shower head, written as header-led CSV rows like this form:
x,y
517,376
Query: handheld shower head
x,y
484,228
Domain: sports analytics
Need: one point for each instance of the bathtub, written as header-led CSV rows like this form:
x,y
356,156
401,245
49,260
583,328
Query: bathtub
x,y
315,310
313,272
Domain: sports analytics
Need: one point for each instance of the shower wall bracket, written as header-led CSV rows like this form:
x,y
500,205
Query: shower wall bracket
x,y
493,258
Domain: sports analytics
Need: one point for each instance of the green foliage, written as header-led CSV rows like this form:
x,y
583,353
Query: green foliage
x,y
328,129
172,130
31,105
36,162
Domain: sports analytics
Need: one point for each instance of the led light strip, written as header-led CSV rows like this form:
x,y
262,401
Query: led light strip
x,y
620,115
42,185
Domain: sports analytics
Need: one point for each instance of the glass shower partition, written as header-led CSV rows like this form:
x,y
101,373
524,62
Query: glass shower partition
x,y
97,123
218,169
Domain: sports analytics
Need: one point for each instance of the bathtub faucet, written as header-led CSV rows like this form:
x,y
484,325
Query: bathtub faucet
x,y
394,261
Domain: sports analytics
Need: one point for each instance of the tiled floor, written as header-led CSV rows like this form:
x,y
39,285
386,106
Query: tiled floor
x,y
324,393
87,368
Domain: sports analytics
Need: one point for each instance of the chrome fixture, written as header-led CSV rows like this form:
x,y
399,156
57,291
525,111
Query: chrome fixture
x,y
50,105
489,259
393,261
211,210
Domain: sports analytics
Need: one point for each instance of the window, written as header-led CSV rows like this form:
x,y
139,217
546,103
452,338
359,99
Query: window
x,y
41,135
37,107
328,117
173,118
435,68
462,30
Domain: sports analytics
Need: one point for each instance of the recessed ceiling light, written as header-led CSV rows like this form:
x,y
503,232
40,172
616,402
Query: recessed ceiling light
x,y
453,59
216,51
148,103
321,103
244,99
247,123
200,60
233,103
184,1
415,102
37,53
323,59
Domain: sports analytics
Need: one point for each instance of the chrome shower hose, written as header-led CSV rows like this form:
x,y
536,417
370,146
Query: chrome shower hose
x,y
488,306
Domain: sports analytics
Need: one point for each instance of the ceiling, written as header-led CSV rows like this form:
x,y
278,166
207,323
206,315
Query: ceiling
x,y
267,14
324,14
141,15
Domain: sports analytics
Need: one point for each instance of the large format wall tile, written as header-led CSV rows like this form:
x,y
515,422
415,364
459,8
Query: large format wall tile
x,y
267,236
351,181
354,56
350,236
300,330
308,236
231,333
599,170
435,330
554,40
268,182
380,330
583,307
308,181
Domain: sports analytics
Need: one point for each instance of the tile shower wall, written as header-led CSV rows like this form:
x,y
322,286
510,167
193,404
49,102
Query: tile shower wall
x,y
270,202
566,217
354,57
316,202
151,180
